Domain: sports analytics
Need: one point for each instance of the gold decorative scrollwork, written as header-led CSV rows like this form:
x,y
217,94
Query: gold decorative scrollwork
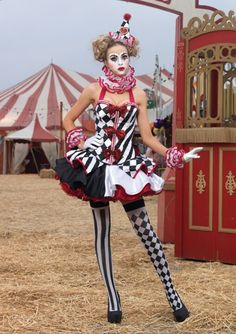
x,y
180,55
212,53
218,21
201,182
230,184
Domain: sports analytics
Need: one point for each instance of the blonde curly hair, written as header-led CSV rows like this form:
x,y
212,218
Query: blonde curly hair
x,y
104,42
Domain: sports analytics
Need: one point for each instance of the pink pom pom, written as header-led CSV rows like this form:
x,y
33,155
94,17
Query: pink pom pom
x,y
127,16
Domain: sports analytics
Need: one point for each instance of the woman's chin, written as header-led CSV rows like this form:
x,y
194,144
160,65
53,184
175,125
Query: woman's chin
x,y
121,73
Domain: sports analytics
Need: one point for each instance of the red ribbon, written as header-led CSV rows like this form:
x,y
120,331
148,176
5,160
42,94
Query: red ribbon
x,y
112,109
116,154
110,130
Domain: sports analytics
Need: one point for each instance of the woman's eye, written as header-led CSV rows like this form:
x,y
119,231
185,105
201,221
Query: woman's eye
x,y
113,58
124,56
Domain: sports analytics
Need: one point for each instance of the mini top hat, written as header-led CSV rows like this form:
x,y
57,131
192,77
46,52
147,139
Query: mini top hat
x,y
123,34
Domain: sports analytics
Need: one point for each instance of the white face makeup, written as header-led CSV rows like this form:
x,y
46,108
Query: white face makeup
x,y
118,60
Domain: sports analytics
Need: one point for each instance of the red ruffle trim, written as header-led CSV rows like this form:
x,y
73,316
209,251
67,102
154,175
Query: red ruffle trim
x,y
120,194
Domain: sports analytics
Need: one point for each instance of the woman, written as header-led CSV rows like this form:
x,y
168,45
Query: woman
x,y
107,168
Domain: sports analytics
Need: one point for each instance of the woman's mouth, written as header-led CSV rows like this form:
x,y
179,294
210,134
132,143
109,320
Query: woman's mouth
x,y
121,68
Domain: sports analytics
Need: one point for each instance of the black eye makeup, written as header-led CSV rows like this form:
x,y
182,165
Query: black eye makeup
x,y
113,58
124,56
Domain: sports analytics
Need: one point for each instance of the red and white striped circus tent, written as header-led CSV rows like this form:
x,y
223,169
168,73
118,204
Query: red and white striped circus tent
x,y
44,92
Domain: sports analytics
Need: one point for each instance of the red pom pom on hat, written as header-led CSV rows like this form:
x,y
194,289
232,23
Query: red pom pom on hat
x,y
127,16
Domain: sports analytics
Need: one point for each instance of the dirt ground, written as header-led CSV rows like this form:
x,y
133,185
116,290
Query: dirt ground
x,y
50,282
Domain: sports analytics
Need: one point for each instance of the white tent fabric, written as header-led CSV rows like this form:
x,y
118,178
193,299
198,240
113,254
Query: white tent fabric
x,y
20,152
167,109
51,152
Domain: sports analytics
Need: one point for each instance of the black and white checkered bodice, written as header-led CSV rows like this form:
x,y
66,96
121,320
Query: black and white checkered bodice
x,y
115,129
115,124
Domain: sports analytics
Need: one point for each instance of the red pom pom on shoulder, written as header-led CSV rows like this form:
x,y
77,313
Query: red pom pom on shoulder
x,y
127,16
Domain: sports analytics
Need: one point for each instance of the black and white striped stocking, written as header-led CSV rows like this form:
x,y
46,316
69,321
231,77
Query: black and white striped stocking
x,y
102,227
138,216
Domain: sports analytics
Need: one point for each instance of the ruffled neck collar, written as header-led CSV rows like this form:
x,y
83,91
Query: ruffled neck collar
x,y
117,84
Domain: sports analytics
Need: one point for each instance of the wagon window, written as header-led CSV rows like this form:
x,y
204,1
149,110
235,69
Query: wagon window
x,y
211,86
229,93
204,96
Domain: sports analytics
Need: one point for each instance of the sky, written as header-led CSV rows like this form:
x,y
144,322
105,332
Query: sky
x,y
35,33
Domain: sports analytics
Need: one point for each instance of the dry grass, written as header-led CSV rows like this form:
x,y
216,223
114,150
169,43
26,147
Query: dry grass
x,y
47,173
50,283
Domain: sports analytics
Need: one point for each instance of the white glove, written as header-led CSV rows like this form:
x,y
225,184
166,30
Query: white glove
x,y
192,154
93,142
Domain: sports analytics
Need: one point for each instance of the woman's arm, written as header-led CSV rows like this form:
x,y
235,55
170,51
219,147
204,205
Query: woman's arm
x,y
173,156
144,128
86,98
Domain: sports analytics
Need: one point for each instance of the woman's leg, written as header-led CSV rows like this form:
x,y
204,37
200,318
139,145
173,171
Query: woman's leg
x,y
138,216
102,226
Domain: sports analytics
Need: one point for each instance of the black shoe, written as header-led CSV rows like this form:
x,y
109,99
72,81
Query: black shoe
x,y
181,314
114,316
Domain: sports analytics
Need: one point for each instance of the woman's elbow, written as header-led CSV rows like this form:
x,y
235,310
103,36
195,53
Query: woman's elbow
x,y
147,138
67,122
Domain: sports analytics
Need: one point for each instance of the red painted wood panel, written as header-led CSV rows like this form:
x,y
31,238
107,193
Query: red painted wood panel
x,y
216,37
226,236
208,227
197,229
